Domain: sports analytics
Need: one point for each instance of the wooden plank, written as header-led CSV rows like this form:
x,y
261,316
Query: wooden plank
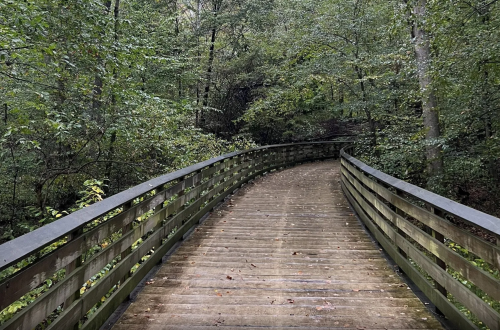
x,y
485,250
21,247
26,280
80,308
477,306
453,314
33,314
474,217
263,295
112,303
441,263
479,277
71,251
70,268
125,229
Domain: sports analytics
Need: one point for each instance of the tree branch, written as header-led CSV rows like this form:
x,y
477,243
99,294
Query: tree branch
x,y
27,81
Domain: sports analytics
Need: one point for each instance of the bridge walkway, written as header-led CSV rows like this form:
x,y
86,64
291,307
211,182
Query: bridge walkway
x,y
285,252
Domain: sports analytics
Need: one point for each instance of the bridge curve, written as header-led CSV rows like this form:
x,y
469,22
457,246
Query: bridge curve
x,y
75,272
284,252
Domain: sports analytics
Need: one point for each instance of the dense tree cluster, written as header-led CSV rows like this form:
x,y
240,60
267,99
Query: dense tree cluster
x,y
102,94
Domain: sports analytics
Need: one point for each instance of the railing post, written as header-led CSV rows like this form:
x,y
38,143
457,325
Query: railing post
x,y
255,161
298,155
221,181
179,195
281,154
198,182
237,161
288,157
126,229
273,159
71,267
247,158
398,212
157,209
400,231
264,157
182,192
441,263
213,175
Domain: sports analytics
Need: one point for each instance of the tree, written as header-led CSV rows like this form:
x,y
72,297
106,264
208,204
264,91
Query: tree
x,y
429,105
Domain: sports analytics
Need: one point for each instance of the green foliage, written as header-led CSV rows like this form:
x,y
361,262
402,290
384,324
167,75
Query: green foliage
x,y
125,94
93,193
480,263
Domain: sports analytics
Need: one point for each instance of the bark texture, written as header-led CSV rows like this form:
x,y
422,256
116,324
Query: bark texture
x,y
430,113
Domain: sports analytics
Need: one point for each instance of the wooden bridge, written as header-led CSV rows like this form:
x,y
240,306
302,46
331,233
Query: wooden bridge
x,y
285,250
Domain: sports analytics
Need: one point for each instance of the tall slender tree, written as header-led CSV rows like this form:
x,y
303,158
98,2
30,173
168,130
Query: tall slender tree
x,y
423,57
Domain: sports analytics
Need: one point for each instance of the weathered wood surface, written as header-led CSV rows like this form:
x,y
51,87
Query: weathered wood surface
x,y
177,203
429,239
285,252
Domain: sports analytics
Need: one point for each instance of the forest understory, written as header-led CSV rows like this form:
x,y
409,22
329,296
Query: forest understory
x,y
97,96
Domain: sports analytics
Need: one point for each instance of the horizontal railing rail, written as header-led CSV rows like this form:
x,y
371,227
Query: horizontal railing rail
x,y
80,268
449,263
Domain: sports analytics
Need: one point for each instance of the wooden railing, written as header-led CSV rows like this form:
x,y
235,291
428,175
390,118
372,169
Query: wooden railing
x,y
447,262
96,256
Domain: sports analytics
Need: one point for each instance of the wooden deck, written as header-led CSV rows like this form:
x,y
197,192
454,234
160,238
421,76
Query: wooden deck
x,y
285,252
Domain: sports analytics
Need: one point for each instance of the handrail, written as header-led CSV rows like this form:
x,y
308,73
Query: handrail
x,y
425,245
472,216
131,230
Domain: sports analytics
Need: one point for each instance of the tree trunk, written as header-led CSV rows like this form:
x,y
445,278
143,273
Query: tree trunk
x,y
369,117
14,185
111,150
210,65
98,84
430,113
198,11
360,74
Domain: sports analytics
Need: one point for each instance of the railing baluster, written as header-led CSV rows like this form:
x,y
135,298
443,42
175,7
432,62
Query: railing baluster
x,y
70,268
400,231
441,263
126,229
